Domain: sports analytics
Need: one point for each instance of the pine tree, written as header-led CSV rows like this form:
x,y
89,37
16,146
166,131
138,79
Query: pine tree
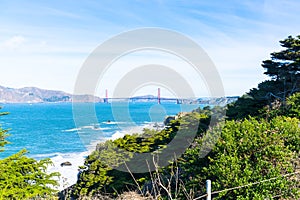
x,y
284,67
22,177
284,70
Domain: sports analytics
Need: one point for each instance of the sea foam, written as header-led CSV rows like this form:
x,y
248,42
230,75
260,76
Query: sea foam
x,y
68,173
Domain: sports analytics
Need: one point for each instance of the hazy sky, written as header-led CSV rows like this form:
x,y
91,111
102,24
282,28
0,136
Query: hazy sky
x,y
45,43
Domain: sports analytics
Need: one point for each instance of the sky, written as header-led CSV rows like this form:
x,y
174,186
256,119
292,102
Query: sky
x,y
45,43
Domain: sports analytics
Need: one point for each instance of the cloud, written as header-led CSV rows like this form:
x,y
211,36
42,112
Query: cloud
x,y
61,13
14,42
237,35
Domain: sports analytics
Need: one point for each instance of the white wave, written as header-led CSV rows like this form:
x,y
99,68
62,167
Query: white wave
x,y
86,127
46,155
92,146
114,123
118,134
68,173
136,129
94,127
72,130
99,128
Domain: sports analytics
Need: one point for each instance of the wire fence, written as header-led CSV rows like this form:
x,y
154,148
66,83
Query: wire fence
x,y
247,185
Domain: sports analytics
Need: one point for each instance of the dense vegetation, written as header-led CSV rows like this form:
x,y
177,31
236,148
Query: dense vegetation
x,y
102,175
258,146
283,69
247,151
252,154
22,177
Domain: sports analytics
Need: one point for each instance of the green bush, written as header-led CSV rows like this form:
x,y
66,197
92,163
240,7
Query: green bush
x,y
24,178
246,152
101,175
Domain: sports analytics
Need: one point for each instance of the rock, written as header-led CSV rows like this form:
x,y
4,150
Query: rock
x,y
168,119
67,163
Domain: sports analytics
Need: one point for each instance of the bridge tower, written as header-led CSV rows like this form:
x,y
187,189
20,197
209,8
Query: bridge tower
x,y
158,96
106,96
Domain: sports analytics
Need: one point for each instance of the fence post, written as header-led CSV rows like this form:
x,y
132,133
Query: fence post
x,y
208,189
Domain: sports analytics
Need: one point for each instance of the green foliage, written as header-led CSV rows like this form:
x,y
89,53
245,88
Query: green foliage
x,y
243,152
247,105
246,152
284,71
290,109
263,146
293,103
101,175
3,134
284,66
252,151
22,177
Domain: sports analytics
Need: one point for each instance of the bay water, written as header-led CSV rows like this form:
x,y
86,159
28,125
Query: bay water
x,y
48,130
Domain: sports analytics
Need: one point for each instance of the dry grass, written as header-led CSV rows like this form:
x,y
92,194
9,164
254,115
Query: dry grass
x,y
133,195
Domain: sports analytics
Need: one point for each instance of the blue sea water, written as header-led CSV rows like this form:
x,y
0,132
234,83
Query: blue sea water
x,y
48,129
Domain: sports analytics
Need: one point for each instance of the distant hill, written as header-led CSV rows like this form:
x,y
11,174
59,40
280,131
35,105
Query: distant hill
x,y
221,101
37,95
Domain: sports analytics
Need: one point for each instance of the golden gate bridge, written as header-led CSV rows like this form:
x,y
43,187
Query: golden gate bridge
x,y
157,98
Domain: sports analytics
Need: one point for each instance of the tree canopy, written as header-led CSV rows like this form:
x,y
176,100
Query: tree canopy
x,y
284,71
254,154
3,134
22,177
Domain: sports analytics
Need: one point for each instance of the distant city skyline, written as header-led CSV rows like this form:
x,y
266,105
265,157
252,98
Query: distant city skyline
x,y
44,43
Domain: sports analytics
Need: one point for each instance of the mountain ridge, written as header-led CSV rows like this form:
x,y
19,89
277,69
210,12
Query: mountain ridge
x,y
38,95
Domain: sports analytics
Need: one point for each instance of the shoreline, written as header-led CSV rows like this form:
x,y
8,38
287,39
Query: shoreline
x,y
69,173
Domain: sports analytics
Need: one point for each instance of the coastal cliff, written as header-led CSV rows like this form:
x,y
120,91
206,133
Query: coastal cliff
x,y
37,95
